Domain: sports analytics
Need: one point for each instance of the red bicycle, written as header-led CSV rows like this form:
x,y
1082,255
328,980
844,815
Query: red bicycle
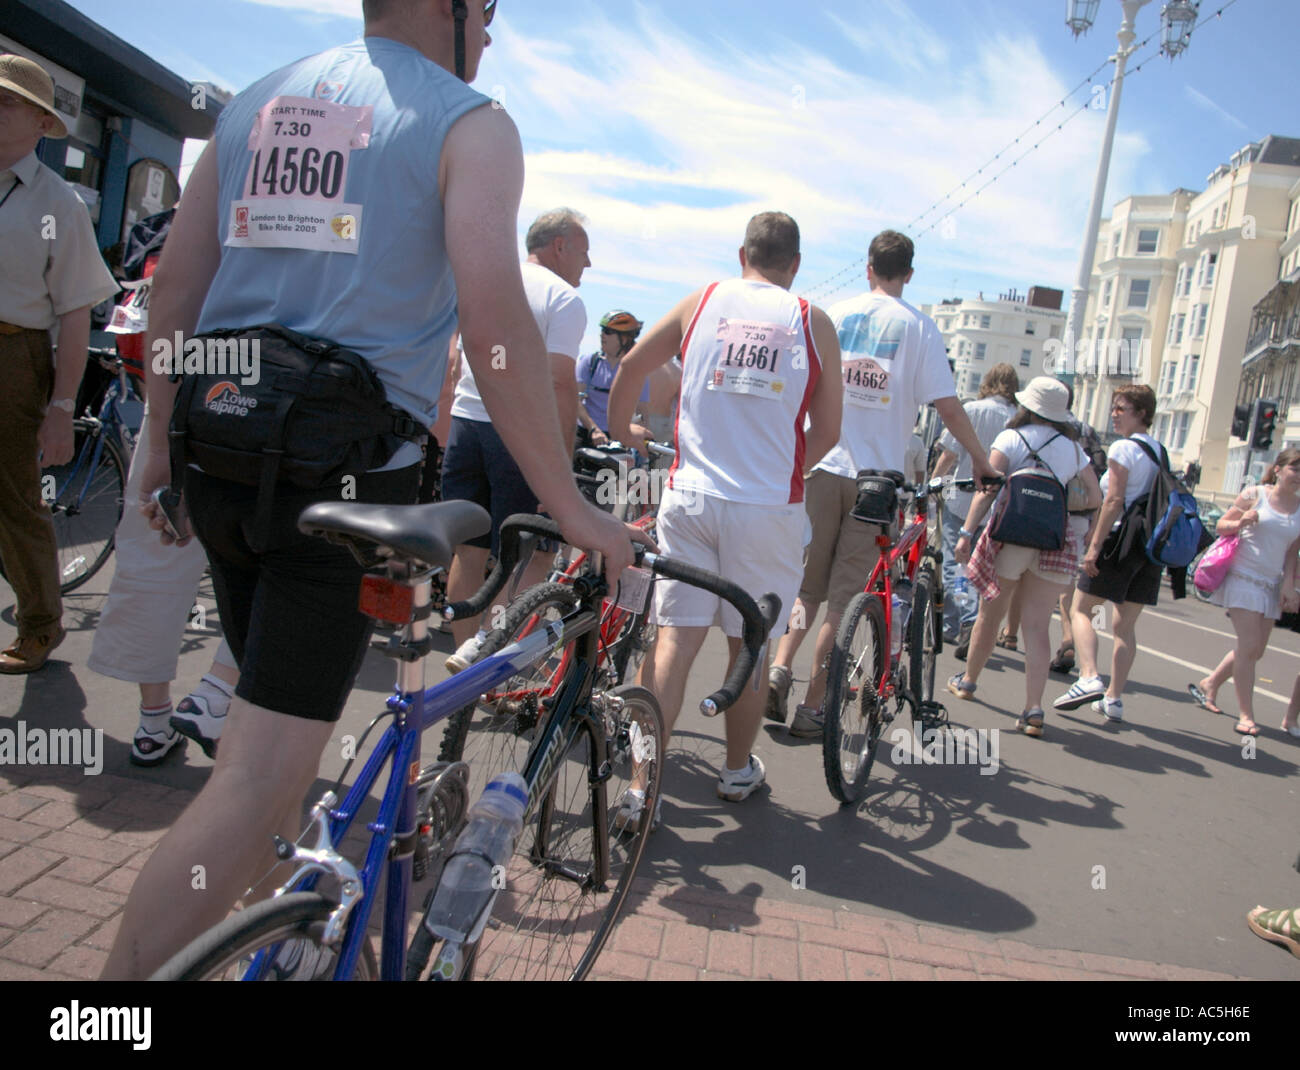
x,y
867,673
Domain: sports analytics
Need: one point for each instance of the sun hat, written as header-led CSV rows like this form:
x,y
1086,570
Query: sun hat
x,y
30,81
1046,397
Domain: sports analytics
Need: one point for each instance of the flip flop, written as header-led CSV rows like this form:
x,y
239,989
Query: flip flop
x,y
1240,729
1198,694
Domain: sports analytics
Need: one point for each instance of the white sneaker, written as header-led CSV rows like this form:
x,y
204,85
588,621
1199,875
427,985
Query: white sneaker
x,y
1081,692
1110,708
465,654
735,785
631,812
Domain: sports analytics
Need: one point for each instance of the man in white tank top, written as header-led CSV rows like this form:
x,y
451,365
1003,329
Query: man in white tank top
x,y
760,404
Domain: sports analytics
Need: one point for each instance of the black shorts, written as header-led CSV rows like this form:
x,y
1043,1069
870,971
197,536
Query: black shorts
x,y
289,612
1134,579
477,467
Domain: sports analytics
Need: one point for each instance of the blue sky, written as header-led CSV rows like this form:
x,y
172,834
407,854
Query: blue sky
x,y
669,124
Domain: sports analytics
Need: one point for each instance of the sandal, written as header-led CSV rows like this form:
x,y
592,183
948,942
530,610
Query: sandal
x,y
1006,640
961,687
1279,926
1243,729
1202,699
1031,722
1064,660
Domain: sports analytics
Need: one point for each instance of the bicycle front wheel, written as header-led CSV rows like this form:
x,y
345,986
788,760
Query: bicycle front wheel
x,y
87,503
924,630
287,928
854,710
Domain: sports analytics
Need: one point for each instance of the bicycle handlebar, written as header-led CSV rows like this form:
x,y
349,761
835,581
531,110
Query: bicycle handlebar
x,y
759,617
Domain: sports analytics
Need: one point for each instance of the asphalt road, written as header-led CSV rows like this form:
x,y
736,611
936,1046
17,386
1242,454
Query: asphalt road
x,y
1148,841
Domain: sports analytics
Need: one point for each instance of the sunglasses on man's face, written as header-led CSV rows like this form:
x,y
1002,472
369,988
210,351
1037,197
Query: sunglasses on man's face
x,y
489,12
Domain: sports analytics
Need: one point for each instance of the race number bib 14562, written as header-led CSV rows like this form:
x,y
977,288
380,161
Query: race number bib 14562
x,y
754,358
866,383
293,196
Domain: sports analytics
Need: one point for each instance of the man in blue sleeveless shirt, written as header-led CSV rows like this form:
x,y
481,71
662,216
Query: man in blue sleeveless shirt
x,y
418,183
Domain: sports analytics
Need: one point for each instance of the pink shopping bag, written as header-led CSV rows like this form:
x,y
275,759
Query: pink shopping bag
x,y
1215,563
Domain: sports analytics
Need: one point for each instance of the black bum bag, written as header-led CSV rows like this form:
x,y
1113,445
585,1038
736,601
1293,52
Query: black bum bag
x,y
265,406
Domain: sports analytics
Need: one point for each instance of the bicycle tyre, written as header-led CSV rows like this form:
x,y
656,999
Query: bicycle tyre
x,y
87,506
298,915
854,714
552,927
634,641
924,628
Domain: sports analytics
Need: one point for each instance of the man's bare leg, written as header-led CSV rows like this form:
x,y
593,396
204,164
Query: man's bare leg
x,y
666,666
821,653
266,764
745,716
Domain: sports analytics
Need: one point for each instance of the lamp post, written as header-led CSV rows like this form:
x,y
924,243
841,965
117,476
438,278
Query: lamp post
x,y
1178,17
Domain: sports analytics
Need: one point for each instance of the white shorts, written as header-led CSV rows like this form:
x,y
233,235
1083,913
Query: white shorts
x,y
757,547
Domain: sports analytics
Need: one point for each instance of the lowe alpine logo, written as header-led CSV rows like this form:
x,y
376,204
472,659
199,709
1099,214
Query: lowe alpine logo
x,y
225,398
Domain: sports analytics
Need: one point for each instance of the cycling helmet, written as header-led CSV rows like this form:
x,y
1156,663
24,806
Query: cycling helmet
x,y
620,321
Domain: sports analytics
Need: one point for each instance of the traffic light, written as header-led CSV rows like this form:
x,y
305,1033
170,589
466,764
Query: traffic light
x,y
1241,421
1262,420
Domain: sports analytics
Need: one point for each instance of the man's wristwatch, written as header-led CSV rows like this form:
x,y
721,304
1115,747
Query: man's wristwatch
x,y
964,534
66,404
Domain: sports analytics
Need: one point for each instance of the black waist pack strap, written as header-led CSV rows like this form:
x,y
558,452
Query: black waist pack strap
x,y
291,389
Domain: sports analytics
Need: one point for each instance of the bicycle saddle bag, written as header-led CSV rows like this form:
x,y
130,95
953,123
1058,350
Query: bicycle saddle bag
x,y
265,405
877,497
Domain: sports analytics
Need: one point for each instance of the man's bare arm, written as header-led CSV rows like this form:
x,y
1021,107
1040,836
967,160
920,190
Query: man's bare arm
x,y
566,396
945,463
826,407
656,348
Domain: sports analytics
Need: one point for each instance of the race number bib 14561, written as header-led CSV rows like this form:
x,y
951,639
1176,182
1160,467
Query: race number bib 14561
x,y
754,358
293,196
866,382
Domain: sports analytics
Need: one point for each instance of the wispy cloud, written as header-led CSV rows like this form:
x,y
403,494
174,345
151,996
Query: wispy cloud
x,y
1209,105
335,8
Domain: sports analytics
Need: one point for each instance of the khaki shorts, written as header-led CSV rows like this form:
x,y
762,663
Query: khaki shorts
x,y
843,551
1014,561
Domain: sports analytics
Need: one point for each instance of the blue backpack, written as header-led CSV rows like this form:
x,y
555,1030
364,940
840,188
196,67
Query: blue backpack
x,y
1167,521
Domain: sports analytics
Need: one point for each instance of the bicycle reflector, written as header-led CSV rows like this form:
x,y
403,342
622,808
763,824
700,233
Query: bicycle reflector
x,y
386,600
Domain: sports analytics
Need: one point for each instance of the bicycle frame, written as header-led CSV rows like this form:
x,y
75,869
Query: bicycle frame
x,y
394,832
908,550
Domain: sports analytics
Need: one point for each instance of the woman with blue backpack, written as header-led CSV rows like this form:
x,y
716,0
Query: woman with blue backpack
x,y
1260,582
1113,571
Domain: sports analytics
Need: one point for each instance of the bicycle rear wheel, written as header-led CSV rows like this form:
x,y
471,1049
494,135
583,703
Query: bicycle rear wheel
x,y
288,927
854,710
87,504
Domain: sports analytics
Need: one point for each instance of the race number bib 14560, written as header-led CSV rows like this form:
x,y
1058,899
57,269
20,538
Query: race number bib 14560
x,y
754,358
293,196
866,383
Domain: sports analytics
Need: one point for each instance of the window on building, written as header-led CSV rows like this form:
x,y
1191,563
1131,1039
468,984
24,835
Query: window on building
x,y
1130,354
980,349
973,384
1199,315
986,321
1180,321
1182,424
1178,282
1162,428
1167,371
967,319
1192,370
1211,259
1114,243
1054,331
1147,242
1026,357
1139,290
1030,327
1105,292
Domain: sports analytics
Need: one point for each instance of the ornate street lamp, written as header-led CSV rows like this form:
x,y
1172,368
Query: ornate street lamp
x,y
1080,15
1177,20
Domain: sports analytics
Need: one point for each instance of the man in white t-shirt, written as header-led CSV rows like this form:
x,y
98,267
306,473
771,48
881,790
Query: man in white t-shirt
x,y
893,362
760,401
476,466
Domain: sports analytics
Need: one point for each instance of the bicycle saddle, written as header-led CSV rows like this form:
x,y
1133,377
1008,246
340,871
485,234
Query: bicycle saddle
x,y
428,533
596,460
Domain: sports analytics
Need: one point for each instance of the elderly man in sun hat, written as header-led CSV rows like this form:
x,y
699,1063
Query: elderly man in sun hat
x,y
51,275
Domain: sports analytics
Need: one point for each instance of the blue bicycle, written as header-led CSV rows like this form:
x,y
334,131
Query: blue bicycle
x,y
571,868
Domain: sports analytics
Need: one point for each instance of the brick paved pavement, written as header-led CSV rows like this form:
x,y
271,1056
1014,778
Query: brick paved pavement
x,y
71,846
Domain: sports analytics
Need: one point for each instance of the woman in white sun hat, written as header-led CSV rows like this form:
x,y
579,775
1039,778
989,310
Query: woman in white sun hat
x,y
1039,429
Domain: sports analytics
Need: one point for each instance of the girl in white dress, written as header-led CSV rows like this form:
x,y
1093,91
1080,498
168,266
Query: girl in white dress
x,y
1261,580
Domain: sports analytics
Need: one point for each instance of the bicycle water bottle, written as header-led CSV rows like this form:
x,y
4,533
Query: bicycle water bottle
x,y
902,610
962,593
463,901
